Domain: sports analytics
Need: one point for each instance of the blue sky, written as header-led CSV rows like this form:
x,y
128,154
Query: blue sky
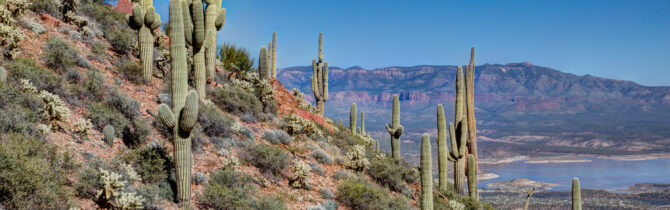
x,y
627,40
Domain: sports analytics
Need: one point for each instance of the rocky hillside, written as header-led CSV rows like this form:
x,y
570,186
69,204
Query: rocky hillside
x,y
518,103
79,129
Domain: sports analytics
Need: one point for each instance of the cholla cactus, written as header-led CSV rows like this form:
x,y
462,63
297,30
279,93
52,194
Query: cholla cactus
x,y
295,124
231,163
111,184
129,201
302,172
355,158
83,126
43,129
54,108
300,98
244,85
455,205
27,86
10,34
130,172
19,7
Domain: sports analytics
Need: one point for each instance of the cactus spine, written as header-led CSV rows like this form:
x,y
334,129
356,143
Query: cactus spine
x,y
458,136
320,79
472,178
145,20
3,76
108,134
426,174
362,123
442,151
182,118
470,100
395,129
263,64
274,55
352,118
576,195
215,17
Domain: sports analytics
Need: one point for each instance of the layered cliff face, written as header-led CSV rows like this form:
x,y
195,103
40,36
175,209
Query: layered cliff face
x,y
517,99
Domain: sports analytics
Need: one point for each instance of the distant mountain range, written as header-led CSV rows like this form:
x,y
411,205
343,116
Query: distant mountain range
x,y
519,105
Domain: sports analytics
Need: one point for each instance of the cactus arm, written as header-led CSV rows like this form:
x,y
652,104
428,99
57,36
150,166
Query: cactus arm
x,y
398,131
454,145
263,63
274,55
166,115
463,137
150,16
320,46
325,82
198,26
426,174
188,22
576,195
189,115
157,23
472,178
138,15
362,123
220,19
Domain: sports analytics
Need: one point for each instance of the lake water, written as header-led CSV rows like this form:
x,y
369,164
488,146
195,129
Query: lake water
x,y
606,174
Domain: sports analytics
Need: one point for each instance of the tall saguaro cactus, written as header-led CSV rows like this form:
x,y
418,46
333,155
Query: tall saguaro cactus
x,y
352,118
145,20
274,55
195,34
263,64
470,99
576,195
184,113
215,17
472,178
395,129
442,151
362,123
320,79
426,174
459,135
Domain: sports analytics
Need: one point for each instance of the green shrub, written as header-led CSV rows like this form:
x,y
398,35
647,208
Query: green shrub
x,y
42,79
268,158
124,104
361,194
322,156
228,189
122,39
235,59
136,133
50,7
274,202
102,115
152,162
277,137
102,14
214,122
33,174
237,101
60,56
18,111
393,174
132,71
326,193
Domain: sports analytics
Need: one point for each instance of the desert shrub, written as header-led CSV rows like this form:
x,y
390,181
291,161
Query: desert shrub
x,y
326,205
199,179
33,174
317,169
393,174
132,71
124,104
236,101
277,137
342,174
60,56
121,39
15,116
99,49
326,193
268,158
103,15
235,59
47,6
73,76
88,183
322,156
361,194
102,115
214,122
41,79
152,162
136,132
93,87
198,140
248,118
274,202
228,189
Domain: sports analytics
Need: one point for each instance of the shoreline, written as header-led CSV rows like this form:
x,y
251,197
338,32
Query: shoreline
x,y
571,159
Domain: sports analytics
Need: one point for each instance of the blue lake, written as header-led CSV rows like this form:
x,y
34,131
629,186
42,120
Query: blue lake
x,y
605,174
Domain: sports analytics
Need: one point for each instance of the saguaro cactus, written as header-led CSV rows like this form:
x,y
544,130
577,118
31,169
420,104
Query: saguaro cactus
x,y
576,195
215,17
352,118
362,123
196,36
472,178
182,118
395,129
263,64
145,20
108,134
470,99
442,151
459,135
320,79
274,55
530,193
3,76
426,174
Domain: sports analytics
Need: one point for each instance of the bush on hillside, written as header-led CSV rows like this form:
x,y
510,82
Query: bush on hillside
x,y
60,56
321,156
214,122
152,162
277,137
136,132
228,189
102,115
131,70
237,101
393,174
42,79
268,158
361,194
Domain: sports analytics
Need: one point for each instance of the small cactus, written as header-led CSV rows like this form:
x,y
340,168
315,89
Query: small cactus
x,y
395,129
352,118
263,64
108,133
320,79
426,174
576,195
472,178
145,20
